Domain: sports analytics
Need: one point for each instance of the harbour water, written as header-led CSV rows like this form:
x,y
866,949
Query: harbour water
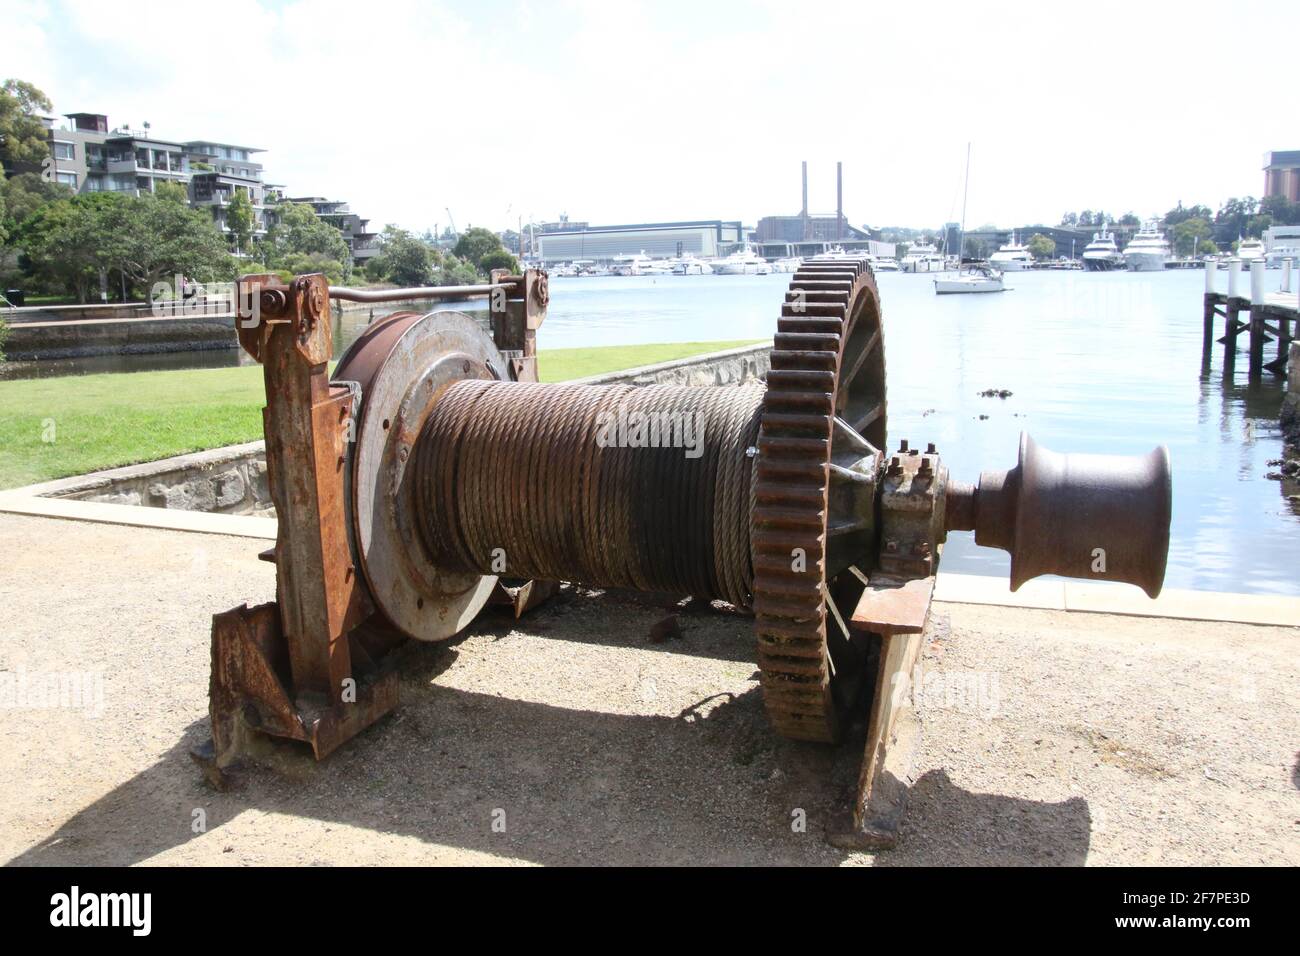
x,y
1095,362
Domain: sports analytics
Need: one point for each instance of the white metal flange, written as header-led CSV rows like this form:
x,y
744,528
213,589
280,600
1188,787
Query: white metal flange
x,y
404,365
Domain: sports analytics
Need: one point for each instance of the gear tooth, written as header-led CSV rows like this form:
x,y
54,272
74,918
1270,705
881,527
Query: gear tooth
x,y
794,447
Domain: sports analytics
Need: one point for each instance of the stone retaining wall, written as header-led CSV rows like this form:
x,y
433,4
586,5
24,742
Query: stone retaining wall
x,y
729,367
232,480
79,339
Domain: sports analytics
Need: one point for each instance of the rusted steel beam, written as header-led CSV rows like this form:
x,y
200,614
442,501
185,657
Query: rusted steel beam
x,y
306,426
290,668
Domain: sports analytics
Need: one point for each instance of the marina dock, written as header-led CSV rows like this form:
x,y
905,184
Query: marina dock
x,y
1271,316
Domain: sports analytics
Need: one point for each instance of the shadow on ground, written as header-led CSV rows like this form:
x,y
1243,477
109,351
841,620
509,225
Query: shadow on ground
x,y
711,784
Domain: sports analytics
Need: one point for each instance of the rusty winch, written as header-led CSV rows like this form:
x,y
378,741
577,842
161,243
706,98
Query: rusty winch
x,y
433,467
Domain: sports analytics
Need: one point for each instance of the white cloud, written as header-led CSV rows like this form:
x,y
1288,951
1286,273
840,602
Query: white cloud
x,y
618,111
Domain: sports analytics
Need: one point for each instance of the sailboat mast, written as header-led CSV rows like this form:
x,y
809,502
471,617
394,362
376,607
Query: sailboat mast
x,y
961,240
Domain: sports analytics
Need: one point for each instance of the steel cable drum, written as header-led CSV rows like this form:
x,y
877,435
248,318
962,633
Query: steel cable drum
x,y
404,364
603,485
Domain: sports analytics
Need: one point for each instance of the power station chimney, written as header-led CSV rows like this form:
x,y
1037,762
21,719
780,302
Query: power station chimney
x,y
839,200
803,210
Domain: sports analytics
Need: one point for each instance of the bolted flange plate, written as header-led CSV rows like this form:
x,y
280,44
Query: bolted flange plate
x,y
404,364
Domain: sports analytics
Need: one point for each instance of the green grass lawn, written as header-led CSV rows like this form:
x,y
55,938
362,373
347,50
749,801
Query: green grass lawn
x,y
55,427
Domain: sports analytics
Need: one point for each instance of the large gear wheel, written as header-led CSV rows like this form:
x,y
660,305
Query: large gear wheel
x,y
821,438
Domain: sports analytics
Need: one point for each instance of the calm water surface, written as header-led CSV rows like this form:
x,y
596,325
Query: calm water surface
x,y
1096,362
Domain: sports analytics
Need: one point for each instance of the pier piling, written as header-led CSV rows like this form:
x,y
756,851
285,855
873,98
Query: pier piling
x,y
1257,333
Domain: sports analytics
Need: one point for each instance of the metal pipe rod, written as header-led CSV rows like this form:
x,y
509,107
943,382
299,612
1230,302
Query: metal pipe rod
x,y
420,292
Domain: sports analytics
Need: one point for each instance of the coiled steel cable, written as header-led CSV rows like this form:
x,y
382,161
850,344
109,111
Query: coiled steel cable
x,y
612,486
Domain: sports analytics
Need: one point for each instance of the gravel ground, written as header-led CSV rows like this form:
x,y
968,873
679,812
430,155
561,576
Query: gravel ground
x,y
1048,738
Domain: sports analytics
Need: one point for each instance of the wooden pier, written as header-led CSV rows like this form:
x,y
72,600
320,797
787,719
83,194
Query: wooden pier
x,y
1271,317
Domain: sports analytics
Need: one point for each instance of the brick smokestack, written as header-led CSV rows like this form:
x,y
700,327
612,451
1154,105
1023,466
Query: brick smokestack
x,y
839,200
803,210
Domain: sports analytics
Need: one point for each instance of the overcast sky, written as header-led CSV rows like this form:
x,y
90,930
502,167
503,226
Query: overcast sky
x,y
615,111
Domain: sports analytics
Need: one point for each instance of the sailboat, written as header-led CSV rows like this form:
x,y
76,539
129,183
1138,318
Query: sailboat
x,y
975,278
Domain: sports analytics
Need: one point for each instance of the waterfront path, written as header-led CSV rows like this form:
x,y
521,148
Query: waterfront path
x,y
1049,737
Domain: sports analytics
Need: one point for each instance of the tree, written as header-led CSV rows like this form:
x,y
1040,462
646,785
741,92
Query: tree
x,y
475,243
1231,219
1256,225
403,259
71,242
158,238
1070,219
1190,233
454,271
306,263
172,192
24,194
299,233
240,220
1282,211
499,259
1041,246
1129,219
23,139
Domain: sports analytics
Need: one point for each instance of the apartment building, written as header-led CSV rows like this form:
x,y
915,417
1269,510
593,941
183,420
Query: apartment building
x,y
363,243
90,156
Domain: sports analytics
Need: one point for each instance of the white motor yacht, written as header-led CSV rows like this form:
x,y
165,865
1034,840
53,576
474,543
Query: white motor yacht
x,y
1012,257
1148,251
922,257
1275,256
688,265
1102,255
629,265
1249,249
743,262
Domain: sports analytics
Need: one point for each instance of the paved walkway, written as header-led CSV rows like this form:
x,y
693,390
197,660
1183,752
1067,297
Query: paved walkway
x,y
1048,737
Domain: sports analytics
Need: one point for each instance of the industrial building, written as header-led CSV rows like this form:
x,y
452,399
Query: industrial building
x,y
703,238
808,234
1282,174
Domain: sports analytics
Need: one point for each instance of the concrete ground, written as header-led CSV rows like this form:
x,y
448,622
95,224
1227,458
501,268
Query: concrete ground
x,y
1048,737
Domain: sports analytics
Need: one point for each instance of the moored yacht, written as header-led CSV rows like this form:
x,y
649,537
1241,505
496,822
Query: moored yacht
x,y
922,257
743,262
976,278
629,265
688,265
1278,254
1102,255
1148,251
1012,257
1248,249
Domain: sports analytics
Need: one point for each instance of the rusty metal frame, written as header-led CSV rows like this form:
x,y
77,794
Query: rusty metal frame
x,y
312,665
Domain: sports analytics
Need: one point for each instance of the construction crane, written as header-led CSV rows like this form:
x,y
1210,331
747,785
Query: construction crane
x,y
454,231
